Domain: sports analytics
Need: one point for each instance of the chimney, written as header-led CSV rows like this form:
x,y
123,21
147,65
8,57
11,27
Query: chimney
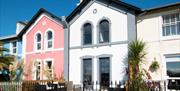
x,y
81,1
19,26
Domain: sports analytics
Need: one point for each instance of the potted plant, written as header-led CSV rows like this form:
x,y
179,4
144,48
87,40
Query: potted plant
x,y
154,66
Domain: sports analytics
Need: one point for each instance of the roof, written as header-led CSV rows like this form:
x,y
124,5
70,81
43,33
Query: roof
x,y
35,17
85,2
163,6
11,37
24,23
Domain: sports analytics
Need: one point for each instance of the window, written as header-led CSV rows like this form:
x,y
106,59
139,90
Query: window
x,y
49,39
14,47
173,66
38,41
173,71
87,71
104,31
104,70
171,24
48,70
37,70
87,34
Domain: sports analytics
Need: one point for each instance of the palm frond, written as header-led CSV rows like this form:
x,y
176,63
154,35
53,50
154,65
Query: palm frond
x,y
136,52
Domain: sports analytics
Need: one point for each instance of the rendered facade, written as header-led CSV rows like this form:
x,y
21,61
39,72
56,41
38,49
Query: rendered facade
x,y
41,48
160,29
35,45
98,42
91,44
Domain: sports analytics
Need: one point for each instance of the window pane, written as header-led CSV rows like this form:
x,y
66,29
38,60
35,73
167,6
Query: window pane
x,y
87,70
166,19
104,31
87,34
173,18
49,35
14,44
178,28
104,65
167,30
173,29
14,50
38,37
49,64
178,17
164,31
39,46
38,72
104,71
48,69
173,69
49,44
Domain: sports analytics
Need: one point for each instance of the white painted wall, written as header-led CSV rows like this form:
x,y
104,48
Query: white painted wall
x,y
119,33
118,52
118,26
149,28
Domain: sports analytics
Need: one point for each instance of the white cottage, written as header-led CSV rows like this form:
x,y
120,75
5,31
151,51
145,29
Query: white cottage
x,y
160,28
99,32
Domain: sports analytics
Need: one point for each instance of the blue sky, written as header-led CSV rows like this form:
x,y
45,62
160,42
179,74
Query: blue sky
x,y
12,11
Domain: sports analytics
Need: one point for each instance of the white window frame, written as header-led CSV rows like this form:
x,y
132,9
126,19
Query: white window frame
x,y
161,27
46,39
35,42
98,32
11,47
44,65
35,68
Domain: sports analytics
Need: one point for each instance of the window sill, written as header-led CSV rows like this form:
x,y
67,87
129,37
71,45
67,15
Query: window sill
x,y
14,54
173,37
99,45
103,44
37,51
49,50
96,45
88,45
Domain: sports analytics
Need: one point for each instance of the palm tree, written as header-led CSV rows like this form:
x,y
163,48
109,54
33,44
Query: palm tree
x,y
136,55
5,60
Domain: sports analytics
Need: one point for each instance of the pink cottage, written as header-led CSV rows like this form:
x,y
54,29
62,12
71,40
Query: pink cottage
x,y
43,47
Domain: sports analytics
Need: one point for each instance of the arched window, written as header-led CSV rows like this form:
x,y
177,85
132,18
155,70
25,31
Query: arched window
x,y
49,39
38,41
87,34
104,31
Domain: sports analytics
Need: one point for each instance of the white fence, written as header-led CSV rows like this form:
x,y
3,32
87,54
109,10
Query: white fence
x,y
10,86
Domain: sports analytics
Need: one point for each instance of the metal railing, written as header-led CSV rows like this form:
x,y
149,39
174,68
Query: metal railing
x,y
96,86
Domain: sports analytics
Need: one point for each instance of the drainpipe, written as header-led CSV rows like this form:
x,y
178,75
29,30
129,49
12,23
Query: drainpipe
x,y
66,45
